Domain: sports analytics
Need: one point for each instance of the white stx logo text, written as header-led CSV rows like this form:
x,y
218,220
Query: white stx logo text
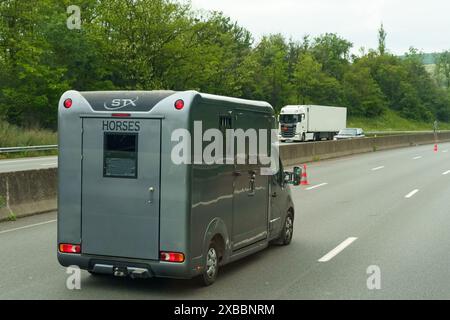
x,y
120,103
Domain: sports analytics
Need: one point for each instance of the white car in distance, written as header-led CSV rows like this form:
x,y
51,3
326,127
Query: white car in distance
x,y
350,133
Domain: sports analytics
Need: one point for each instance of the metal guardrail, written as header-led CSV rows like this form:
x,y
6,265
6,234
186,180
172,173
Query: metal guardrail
x,y
30,148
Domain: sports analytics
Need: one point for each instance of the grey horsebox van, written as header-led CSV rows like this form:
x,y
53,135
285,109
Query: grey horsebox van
x,y
126,208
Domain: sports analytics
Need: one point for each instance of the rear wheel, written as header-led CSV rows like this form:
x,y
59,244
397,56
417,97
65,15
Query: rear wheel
x,y
211,266
317,137
303,137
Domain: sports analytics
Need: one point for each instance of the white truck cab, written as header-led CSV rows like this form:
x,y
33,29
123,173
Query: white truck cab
x,y
310,122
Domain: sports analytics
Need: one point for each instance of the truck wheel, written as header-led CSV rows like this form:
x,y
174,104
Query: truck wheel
x,y
211,268
288,230
303,137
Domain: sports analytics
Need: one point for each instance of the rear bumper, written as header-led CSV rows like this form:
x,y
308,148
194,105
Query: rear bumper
x,y
108,265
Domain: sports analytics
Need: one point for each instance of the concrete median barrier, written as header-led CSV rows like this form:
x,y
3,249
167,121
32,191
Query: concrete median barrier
x,y
293,154
26,193
35,191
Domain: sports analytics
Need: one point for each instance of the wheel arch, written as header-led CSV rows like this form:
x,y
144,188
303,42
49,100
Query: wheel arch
x,y
217,231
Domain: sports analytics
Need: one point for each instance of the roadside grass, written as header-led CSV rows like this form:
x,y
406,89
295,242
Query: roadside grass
x,y
29,154
12,217
14,136
391,121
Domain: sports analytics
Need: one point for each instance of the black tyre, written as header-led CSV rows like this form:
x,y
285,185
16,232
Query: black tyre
x,y
287,231
303,137
211,267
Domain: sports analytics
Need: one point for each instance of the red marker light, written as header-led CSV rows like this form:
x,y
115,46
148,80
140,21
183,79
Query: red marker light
x,y
172,257
67,103
179,104
121,115
69,248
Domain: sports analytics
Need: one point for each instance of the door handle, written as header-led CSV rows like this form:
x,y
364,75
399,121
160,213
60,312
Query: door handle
x,y
151,192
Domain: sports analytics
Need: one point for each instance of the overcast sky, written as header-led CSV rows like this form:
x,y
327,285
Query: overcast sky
x,y
419,23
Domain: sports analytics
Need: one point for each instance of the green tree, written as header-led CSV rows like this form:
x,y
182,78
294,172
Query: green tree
x,y
362,94
333,52
443,68
270,76
31,80
382,35
312,85
164,44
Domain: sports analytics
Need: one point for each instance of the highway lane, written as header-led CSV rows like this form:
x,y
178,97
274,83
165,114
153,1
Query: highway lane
x,y
21,164
406,238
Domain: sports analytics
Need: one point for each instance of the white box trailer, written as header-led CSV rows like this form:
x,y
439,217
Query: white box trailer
x,y
310,122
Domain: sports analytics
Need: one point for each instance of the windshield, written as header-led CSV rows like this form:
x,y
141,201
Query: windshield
x,y
290,118
347,132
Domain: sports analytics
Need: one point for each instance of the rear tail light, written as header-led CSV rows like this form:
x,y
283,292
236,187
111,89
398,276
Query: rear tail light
x,y
68,103
172,257
69,248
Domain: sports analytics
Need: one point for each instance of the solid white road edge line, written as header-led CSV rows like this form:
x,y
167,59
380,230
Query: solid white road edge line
x,y
377,168
330,255
446,173
27,227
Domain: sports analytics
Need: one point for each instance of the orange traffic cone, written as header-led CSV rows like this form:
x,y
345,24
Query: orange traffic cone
x,y
435,148
304,180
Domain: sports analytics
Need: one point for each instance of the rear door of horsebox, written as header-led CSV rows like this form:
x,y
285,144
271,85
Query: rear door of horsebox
x,y
120,187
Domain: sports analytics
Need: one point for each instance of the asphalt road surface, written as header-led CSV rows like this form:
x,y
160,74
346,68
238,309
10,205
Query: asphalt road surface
x,y
386,212
21,164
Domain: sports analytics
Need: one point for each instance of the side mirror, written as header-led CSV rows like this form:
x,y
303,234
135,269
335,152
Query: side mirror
x,y
297,176
294,177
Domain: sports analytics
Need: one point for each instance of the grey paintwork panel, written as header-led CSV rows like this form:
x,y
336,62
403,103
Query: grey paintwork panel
x,y
250,194
239,214
69,167
119,101
212,188
120,215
